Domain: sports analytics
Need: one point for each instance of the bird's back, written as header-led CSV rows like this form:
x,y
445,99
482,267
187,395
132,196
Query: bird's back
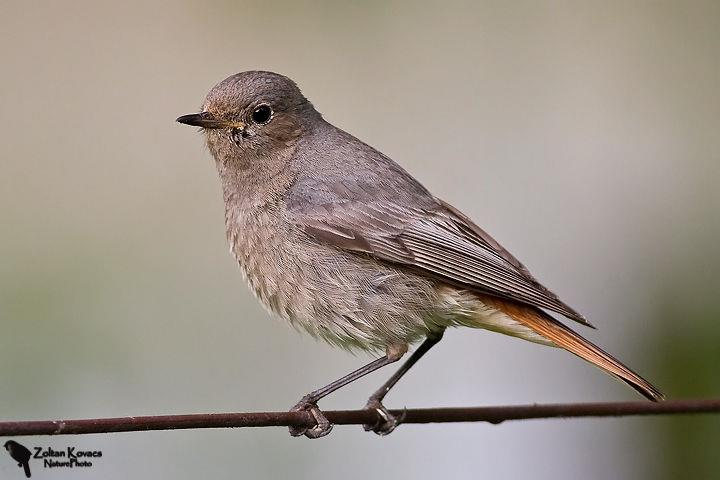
x,y
334,166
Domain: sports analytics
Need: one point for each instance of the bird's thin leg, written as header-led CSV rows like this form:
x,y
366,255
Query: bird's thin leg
x,y
387,422
309,401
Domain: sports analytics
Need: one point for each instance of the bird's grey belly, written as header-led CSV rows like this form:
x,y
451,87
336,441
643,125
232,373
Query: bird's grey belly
x,y
344,298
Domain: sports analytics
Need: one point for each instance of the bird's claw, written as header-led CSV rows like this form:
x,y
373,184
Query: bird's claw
x,y
322,424
386,422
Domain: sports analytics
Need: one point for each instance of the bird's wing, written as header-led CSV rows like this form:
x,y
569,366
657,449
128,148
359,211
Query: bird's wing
x,y
441,242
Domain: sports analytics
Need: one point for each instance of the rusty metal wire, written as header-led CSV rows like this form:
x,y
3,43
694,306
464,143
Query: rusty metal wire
x,y
492,415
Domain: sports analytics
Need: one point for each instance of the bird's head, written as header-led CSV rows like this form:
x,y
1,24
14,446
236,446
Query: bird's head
x,y
253,114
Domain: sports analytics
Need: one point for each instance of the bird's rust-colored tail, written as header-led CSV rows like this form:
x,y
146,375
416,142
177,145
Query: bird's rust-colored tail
x,y
564,337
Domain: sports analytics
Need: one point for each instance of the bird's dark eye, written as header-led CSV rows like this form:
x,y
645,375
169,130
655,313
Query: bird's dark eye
x,y
262,114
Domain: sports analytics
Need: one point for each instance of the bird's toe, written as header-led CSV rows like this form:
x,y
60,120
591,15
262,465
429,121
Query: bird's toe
x,y
386,421
322,425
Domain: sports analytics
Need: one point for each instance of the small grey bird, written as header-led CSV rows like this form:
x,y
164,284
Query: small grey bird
x,y
340,241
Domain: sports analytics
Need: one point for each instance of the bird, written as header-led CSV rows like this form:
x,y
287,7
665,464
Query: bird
x,y
343,243
20,454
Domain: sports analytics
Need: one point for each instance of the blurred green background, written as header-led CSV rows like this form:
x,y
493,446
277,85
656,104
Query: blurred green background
x,y
583,135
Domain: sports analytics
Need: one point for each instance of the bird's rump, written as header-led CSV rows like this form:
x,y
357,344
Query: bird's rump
x,y
440,242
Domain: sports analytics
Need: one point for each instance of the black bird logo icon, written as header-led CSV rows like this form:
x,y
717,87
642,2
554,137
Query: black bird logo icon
x,y
20,454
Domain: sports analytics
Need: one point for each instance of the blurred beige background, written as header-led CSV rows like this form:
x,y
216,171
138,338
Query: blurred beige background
x,y
583,136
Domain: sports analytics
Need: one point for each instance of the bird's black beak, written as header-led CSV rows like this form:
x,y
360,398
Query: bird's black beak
x,y
208,120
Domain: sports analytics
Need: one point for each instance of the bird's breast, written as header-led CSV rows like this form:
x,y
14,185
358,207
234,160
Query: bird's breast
x,y
260,240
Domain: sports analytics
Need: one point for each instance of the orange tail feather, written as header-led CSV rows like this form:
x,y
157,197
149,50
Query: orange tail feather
x,y
571,341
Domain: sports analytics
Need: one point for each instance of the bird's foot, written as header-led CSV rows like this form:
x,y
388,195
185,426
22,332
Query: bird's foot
x,y
386,422
322,424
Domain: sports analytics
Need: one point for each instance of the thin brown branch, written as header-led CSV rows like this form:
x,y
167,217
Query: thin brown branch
x,y
355,417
